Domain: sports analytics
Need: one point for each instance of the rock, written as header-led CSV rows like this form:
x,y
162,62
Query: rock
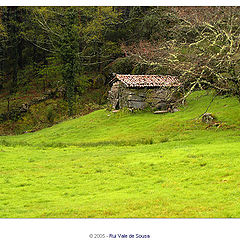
x,y
131,110
208,118
161,112
134,98
142,93
137,105
161,106
24,107
175,110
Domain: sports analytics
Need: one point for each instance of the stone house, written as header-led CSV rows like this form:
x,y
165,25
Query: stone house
x,y
143,91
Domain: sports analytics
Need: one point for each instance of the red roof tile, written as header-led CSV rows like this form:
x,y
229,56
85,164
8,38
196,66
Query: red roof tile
x,y
148,80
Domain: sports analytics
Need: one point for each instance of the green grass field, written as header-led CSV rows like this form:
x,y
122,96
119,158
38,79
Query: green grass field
x,y
127,165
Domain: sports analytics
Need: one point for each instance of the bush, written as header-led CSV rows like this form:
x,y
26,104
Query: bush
x,y
122,65
51,114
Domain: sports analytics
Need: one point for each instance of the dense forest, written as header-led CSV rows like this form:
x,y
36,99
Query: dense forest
x,y
57,62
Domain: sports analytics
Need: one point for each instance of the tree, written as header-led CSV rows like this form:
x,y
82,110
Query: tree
x,y
59,36
3,37
99,35
10,21
68,50
15,49
210,58
79,37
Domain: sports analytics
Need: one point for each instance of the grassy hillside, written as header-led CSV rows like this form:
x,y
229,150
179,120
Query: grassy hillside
x,y
44,113
127,165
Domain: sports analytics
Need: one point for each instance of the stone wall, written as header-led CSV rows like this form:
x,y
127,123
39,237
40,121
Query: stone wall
x,y
157,98
113,95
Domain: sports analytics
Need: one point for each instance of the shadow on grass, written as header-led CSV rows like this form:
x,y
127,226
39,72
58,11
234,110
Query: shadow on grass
x,y
133,142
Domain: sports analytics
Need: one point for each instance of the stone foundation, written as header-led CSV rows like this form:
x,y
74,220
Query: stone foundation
x,y
141,98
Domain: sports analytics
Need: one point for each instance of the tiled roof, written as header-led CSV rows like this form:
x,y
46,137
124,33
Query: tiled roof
x,y
148,80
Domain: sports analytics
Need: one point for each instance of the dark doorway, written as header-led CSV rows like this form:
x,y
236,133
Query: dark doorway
x,y
117,105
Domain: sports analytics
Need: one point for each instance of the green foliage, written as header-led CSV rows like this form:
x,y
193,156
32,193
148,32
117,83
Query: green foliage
x,y
40,116
51,111
140,69
122,65
25,76
51,114
156,19
99,36
10,45
103,18
83,82
99,81
49,74
161,70
68,53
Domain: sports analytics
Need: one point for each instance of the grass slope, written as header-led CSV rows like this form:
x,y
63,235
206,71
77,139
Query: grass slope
x,y
127,165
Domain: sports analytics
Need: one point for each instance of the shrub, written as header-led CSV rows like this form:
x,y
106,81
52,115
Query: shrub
x,y
122,65
51,114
